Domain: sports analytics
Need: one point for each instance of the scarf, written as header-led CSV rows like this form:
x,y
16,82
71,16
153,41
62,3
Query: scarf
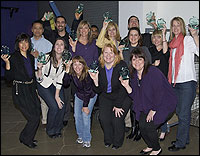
x,y
178,44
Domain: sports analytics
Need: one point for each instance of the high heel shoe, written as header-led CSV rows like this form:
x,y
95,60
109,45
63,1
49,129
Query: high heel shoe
x,y
157,153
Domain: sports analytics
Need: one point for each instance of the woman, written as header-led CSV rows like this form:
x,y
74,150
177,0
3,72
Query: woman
x,y
113,98
85,98
85,45
109,34
20,69
49,77
160,57
134,41
153,98
182,76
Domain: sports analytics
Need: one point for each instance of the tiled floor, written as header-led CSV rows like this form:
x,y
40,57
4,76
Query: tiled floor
x,y
12,122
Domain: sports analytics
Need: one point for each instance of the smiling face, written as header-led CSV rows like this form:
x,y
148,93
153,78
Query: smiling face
x,y
37,30
112,31
84,30
23,46
157,40
60,24
138,63
176,27
59,47
108,55
134,37
78,67
133,22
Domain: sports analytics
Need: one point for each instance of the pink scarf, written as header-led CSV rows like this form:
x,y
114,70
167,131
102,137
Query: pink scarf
x,y
178,44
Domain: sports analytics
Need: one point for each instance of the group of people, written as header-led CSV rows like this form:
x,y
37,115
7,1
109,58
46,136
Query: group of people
x,y
161,81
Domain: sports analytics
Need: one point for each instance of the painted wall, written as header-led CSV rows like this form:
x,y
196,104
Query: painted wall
x,y
162,9
20,22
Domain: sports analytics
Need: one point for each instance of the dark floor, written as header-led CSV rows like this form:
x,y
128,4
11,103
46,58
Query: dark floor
x,y
12,122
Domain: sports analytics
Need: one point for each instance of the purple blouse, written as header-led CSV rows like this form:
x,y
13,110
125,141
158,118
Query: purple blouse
x,y
27,64
109,76
89,51
153,92
84,87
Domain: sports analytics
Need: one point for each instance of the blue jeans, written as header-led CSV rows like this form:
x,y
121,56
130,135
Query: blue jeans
x,y
82,120
186,93
55,115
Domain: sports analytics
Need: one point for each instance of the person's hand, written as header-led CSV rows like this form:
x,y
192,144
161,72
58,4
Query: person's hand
x,y
67,66
157,62
124,83
193,32
85,110
77,15
39,65
35,53
94,77
73,44
5,58
150,116
164,30
59,102
118,111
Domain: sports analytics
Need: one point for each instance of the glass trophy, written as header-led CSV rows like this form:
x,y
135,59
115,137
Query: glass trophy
x,y
194,23
93,67
107,16
5,50
124,42
66,56
150,17
79,8
73,35
160,23
49,16
124,72
42,58
32,47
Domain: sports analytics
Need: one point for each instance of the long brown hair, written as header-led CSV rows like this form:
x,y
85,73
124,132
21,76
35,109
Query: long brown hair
x,y
113,49
139,53
84,73
182,23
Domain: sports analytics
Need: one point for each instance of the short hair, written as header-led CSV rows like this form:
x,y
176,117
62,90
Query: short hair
x,y
23,37
135,17
156,32
113,49
61,17
94,26
38,21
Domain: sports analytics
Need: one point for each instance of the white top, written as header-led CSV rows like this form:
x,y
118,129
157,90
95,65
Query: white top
x,y
51,75
41,45
187,66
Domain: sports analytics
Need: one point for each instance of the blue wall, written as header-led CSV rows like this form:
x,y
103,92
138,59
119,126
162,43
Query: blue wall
x,y
20,22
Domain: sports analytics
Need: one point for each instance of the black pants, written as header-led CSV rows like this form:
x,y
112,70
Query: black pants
x,y
149,132
113,127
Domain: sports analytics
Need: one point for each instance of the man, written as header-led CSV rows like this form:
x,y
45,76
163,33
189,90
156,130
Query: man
x,y
94,31
40,44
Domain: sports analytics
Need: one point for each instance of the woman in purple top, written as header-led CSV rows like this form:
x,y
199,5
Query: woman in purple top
x,y
85,98
85,45
154,100
114,101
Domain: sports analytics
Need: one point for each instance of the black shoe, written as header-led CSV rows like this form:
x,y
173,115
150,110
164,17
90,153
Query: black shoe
x,y
107,145
59,135
32,145
173,148
162,139
53,136
143,152
158,152
65,123
35,141
115,147
138,136
127,129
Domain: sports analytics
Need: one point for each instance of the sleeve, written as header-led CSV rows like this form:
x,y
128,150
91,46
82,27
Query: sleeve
x,y
191,45
76,22
66,79
59,81
9,73
87,92
101,38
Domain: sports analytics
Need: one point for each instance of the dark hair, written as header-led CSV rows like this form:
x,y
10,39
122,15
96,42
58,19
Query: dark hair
x,y
53,54
61,17
23,37
139,53
94,26
135,17
38,21
140,42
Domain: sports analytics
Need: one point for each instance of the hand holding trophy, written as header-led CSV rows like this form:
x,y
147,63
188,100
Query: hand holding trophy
x,y
124,72
42,58
66,56
107,16
150,17
93,67
160,23
194,23
5,50
79,9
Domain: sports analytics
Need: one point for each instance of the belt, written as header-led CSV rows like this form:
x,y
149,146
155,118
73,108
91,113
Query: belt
x,y
21,82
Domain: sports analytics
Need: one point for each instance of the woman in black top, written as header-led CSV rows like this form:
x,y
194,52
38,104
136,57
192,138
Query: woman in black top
x,y
20,70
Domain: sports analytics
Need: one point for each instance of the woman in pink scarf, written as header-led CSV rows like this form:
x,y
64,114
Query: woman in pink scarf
x,y
182,76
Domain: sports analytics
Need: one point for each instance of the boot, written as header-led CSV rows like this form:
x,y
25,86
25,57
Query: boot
x,y
138,133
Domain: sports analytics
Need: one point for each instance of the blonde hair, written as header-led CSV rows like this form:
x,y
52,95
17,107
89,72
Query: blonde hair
x,y
113,49
80,26
156,32
84,73
110,24
182,23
